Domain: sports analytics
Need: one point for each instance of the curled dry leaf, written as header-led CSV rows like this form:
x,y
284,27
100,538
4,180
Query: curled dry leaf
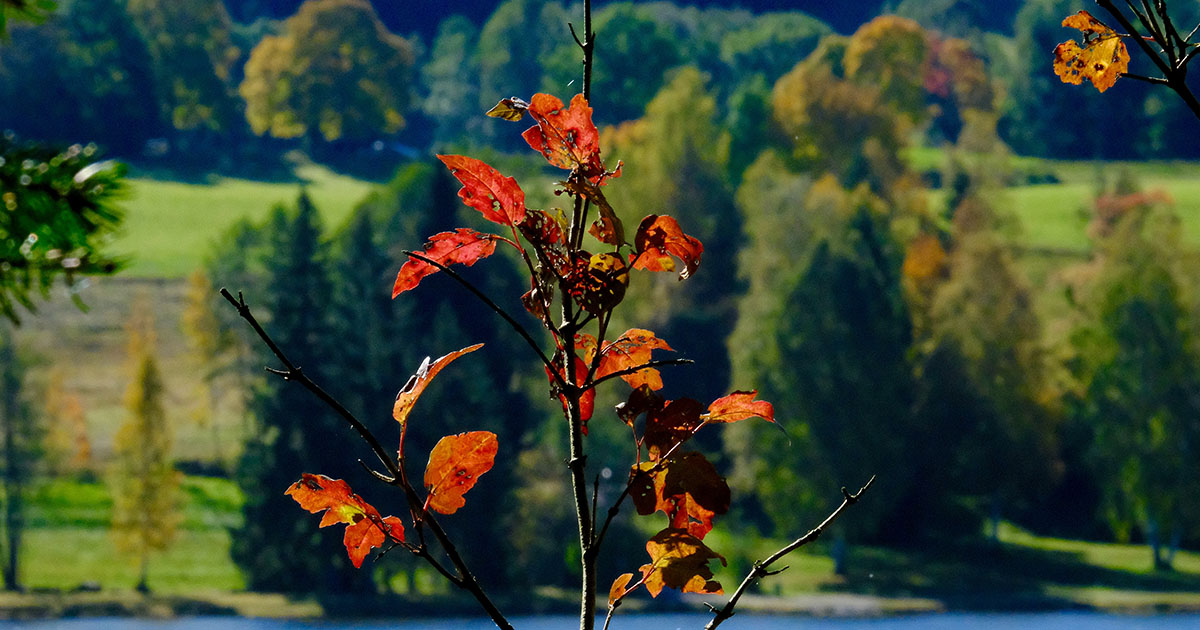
x,y
497,197
455,464
461,246
511,109
1102,58
365,530
416,384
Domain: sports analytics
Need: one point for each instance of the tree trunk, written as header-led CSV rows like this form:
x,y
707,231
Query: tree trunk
x,y
12,482
143,572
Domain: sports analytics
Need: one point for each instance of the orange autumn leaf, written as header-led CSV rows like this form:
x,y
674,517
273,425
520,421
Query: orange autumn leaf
x,y
462,246
1102,58
619,589
679,561
369,533
740,406
660,238
497,197
631,349
455,464
365,530
416,384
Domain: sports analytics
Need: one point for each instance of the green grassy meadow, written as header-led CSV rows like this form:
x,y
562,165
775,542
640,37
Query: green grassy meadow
x,y
69,544
170,225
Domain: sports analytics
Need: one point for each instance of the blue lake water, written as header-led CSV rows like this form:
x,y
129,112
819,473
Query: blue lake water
x,y
947,621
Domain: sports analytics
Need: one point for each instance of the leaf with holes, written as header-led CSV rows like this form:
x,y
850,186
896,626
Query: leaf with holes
x,y
455,464
1102,58
598,282
740,406
462,246
365,529
658,239
679,560
565,136
416,384
497,197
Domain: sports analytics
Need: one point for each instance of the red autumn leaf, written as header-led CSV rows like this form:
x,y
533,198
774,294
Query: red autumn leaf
x,y
541,228
416,384
740,406
1102,59
587,400
658,239
631,349
673,424
365,529
497,197
565,136
679,561
460,246
455,464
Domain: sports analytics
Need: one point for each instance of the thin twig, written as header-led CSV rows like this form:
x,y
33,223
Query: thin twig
x,y
760,568
294,373
638,368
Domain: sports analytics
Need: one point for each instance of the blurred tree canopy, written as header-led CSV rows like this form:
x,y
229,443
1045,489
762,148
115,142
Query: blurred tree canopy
x,y
334,72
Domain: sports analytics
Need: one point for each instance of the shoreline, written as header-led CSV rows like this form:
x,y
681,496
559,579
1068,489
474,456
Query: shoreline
x,y
69,605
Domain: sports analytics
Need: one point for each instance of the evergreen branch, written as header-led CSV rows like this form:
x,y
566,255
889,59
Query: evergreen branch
x,y
495,307
760,568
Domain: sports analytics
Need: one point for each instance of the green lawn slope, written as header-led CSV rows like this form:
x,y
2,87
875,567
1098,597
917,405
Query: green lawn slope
x,y
170,225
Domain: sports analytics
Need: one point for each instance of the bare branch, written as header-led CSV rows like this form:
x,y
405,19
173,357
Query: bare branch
x,y
760,568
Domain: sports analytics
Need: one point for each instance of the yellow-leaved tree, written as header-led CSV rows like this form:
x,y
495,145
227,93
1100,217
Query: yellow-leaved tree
x,y
145,483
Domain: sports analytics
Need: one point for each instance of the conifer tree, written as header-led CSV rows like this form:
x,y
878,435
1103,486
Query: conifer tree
x,y
290,429
145,482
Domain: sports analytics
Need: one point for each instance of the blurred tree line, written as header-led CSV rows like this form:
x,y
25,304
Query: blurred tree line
x,y
329,76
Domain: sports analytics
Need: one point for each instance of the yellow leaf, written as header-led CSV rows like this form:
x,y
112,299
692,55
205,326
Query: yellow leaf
x,y
1102,58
